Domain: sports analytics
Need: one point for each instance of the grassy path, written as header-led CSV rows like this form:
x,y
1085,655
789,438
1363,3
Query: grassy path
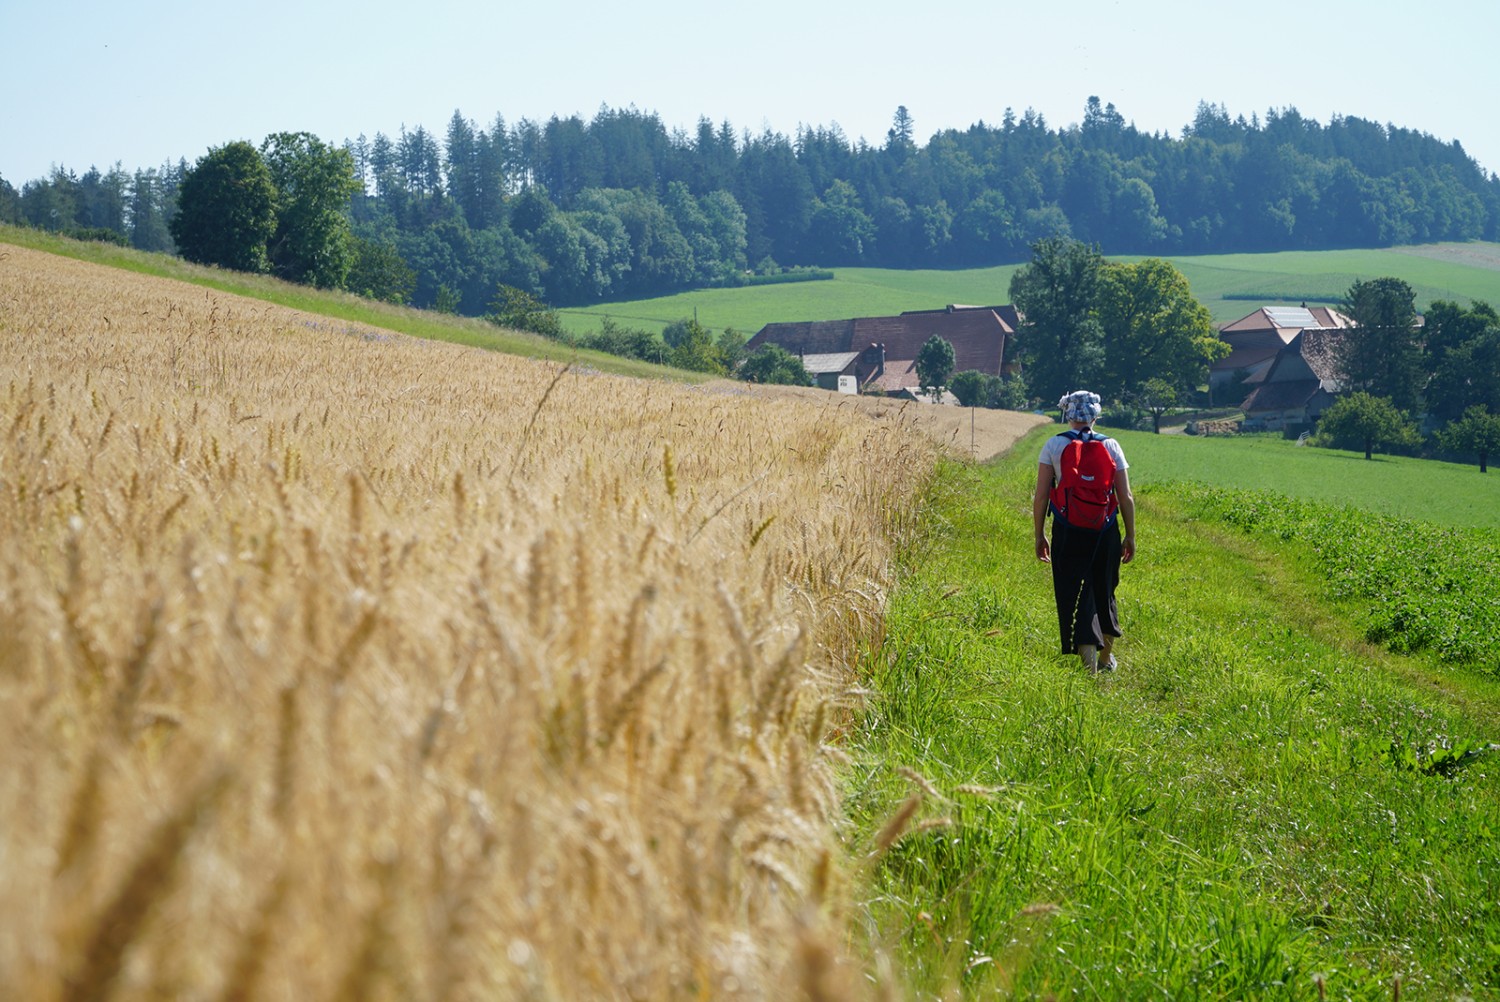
x,y
1226,817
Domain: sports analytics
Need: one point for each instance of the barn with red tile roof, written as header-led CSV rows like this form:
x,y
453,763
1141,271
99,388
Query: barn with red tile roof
x,y
881,352
1255,340
1300,383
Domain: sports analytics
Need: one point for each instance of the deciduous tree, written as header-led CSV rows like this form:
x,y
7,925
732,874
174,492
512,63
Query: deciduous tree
x,y
935,362
697,351
226,209
1062,337
972,387
771,363
840,231
378,272
520,310
1153,329
1477,432
1462,358
1381,355
313,243
1368,422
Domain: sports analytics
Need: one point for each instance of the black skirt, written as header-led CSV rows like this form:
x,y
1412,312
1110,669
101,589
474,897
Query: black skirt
x,y
1085,572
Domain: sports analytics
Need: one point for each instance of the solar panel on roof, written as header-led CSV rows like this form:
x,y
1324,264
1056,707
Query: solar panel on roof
x,y
1291,316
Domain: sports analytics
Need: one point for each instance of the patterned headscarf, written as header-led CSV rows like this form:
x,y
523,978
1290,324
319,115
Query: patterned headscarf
x,y
1080,405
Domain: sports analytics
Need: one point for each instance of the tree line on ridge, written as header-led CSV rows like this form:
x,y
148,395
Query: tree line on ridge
x,y
576,211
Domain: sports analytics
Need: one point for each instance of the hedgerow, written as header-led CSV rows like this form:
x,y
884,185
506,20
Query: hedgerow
x,y
1421,586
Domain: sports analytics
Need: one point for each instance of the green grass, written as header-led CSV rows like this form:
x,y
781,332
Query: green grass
x,y
340,305
1230,285
1411,585
1424,489
854,292
1256,802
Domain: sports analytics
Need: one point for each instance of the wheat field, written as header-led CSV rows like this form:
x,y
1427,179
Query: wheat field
x,y
340,665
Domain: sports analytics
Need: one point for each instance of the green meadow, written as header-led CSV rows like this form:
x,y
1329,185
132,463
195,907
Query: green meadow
x,y
1260,803
1421,489
1230,285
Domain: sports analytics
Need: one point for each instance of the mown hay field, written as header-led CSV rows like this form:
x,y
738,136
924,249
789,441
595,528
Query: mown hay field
x,y
340,665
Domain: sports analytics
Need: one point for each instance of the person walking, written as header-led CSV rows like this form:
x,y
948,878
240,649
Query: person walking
x,y
1081,479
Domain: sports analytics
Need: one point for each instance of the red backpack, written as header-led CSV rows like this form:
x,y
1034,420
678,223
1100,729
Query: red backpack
x,y
1085,496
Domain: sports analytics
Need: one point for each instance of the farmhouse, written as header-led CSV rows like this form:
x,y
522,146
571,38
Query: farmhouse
x,y
1298,384
880,353
1256,340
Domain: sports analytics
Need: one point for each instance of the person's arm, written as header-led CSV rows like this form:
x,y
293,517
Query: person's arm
x,y
1127,514
1040,499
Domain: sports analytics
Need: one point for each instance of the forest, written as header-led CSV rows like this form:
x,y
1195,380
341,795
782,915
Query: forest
x,y
620,206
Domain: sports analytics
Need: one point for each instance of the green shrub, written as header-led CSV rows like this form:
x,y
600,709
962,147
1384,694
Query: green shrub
x,y
791,275
98,234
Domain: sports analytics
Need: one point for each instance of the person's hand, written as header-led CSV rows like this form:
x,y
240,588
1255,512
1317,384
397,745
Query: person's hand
x,y
1043,551
1127,549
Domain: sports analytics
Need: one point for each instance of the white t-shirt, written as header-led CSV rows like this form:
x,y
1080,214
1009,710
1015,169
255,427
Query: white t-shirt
x,y
1052,451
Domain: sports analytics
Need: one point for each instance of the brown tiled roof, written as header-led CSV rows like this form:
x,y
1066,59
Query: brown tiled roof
x,y
1320,350
1288,318
900,374
1011,316
808,337
1286,395
1008,314
978,336
1328,317
1301,369
1250,348
1259,336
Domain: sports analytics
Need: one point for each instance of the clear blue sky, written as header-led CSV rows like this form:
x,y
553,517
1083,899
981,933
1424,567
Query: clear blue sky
x,y
93,82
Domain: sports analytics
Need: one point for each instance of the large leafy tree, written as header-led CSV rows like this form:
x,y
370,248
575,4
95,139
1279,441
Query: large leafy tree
x,y
226,209
380,273
1158,396
1381,354
500,258
1367,422
660,256
771,363
520,310
1463,358
1153,329
935,361
697,351
1063,341
974,388
313,243
442,255
1477,432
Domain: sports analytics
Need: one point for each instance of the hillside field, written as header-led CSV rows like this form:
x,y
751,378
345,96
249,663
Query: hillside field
x,y
1260,803
336,664
1421,489
339,664
1230,285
